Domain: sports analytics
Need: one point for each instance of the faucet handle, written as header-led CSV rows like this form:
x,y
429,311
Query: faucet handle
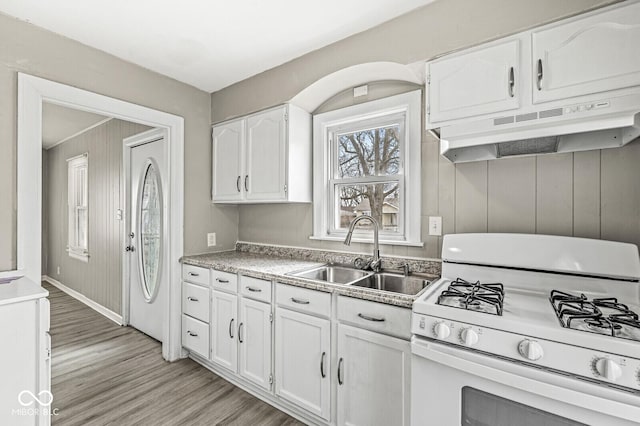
x,y
360,263
406,269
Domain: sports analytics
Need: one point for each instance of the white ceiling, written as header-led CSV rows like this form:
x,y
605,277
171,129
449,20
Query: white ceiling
x,y
61,123
209,44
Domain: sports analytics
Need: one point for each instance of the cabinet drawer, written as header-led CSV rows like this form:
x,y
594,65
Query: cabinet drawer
x,y
195,301
387,319
224,281
195,274
195,336
255,288
302,299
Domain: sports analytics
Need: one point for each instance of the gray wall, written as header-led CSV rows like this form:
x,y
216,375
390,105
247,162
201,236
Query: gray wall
x,y
26,48
588,194
99,279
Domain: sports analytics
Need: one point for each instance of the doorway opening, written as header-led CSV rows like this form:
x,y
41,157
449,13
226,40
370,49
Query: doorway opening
x,y
33,93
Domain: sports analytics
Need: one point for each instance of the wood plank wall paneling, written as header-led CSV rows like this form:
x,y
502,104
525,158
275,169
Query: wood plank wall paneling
x,y
100,278
591,194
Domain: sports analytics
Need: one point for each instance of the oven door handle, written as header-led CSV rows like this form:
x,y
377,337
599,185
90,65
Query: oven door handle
x,y
516,375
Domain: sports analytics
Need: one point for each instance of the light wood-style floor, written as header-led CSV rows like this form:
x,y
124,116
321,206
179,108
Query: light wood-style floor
x,y
104,374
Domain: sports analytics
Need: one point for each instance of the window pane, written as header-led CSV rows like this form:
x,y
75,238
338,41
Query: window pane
x,y
379,200
81,230
372,152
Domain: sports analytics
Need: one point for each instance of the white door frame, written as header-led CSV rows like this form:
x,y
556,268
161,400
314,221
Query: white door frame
x,y
32,91
127,145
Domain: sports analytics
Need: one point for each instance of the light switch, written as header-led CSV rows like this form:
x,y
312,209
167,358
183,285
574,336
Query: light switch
x,y
435,225
360,91
211,239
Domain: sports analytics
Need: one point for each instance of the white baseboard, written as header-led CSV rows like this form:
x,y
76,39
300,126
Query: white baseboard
x,y
84,299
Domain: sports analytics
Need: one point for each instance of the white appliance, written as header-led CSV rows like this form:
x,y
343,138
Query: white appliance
x,y
528,330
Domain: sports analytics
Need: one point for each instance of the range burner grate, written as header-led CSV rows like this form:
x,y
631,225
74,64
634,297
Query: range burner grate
x,y
603,315
487,297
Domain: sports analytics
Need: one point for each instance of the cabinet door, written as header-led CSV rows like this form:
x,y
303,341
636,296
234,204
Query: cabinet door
x,y
224,330
255,342
480,82
594,54
266,156
227,150
373,378
302,361
19,360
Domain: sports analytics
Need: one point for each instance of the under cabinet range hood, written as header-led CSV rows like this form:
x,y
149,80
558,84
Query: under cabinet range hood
x,y
603,123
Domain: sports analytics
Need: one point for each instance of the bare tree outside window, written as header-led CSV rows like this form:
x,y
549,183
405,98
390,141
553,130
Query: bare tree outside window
x,y
368,154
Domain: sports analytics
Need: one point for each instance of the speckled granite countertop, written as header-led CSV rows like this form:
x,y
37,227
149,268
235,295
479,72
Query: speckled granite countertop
x,y
272,267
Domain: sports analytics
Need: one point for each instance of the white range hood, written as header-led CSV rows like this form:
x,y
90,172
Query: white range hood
x,y
603,123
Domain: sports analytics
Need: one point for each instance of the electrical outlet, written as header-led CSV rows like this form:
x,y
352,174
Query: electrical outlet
x,y
211,239
435,225
58,270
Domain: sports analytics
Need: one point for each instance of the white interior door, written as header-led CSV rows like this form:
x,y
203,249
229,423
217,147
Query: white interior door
x,y
148,282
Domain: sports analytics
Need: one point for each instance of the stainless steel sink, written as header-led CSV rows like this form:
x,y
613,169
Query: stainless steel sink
x,y
395,283
332,274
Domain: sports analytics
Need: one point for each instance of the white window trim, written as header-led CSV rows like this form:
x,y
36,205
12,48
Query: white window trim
x,y
408,104
77,252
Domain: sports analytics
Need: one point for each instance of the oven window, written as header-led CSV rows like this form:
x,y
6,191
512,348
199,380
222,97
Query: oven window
x,y
483,409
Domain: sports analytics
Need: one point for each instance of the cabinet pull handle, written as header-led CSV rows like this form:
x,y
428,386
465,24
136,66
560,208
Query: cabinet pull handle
x,y
246,188
194,274
220,280
231,327
340,381
190,333
253,289
512,82
370,318
322,365
192,299
238,183
240,333
299,301
540,74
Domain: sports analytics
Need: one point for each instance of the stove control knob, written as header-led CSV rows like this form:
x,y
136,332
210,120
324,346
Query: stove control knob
x,y
530,350
441,330
469,337
608,369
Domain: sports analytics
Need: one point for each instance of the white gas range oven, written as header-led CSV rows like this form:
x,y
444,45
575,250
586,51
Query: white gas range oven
x,y
528,330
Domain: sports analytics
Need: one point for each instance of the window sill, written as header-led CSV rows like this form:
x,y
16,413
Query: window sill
x,y
370,241
84,257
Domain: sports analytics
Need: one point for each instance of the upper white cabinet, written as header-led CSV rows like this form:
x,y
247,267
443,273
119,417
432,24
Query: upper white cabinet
x,y
263,158
596,53
481,81
557,65
228,141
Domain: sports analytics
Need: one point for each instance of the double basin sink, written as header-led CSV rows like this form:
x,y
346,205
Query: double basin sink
x,y
385,281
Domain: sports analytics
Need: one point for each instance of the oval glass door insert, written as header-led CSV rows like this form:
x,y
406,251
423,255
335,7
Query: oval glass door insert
x,y
150,230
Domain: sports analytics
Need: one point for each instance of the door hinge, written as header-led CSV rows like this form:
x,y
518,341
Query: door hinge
x,y
271,379
428,109
285,187
271,317
286,116
428,78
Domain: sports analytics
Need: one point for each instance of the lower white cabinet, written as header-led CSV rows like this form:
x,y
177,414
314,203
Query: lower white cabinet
x,y
373,378
303,353
224,315
254,339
